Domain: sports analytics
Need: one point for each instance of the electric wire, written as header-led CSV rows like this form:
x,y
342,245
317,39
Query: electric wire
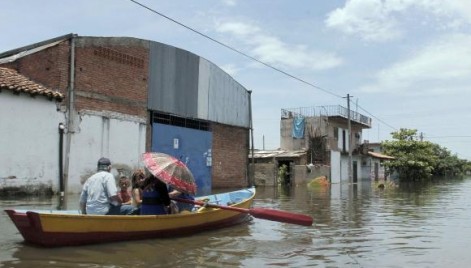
x,y
253,58
268,65
236,50
386,124
446,137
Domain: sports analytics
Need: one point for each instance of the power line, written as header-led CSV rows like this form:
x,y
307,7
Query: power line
x,y
254,59
443,137
236,50
377,118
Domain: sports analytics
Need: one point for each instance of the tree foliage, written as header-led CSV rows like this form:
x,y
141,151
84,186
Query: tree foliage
x,y
416,159
447,163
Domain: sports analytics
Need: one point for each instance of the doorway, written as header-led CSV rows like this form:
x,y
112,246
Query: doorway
x,y
284,172
355,171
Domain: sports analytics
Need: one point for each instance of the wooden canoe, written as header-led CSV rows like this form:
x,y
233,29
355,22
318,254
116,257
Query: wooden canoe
x,y
53,228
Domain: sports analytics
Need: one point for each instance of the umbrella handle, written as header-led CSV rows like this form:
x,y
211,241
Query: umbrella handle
x,y
261,213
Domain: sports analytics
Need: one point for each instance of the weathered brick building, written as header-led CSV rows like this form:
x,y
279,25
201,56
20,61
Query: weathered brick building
x,y
124,96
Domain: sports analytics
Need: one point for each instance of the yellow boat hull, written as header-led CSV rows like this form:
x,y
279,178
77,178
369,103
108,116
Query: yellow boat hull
x,y
59,228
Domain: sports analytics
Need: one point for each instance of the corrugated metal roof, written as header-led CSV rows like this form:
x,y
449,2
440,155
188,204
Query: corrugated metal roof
x,y
381,156
11,80
277,154
210,93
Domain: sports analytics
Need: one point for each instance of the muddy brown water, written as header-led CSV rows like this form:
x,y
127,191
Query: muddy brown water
x,y
417,225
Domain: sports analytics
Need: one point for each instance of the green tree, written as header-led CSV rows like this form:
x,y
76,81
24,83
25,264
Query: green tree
x,y
467,166
447,164
414,159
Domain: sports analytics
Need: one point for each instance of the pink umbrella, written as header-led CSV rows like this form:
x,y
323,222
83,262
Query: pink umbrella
x,y
170,170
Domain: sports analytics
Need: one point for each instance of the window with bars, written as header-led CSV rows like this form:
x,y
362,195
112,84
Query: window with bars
x,y
173,120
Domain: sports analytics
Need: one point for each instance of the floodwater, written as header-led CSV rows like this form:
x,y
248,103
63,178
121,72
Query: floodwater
x,y
420,225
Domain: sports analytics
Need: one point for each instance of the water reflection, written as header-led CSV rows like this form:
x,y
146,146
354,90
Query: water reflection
x,y
221,247
416,225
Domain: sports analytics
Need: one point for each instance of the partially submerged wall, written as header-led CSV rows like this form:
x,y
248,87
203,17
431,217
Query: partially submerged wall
x,y
29,143
265,174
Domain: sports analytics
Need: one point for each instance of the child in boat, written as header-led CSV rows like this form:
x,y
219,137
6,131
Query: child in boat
x,y
137,180
124,192
155,199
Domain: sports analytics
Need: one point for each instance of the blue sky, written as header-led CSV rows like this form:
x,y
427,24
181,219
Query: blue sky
x,y
407,63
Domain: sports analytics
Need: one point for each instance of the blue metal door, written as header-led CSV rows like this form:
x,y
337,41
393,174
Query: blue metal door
x,y
191,146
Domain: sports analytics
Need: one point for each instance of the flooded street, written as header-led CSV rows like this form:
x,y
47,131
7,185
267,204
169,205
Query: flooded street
x,y
421,225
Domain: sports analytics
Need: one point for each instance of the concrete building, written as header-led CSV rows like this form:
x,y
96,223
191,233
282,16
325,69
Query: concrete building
x,y
267,164
121,97
372,161
29,134
322,134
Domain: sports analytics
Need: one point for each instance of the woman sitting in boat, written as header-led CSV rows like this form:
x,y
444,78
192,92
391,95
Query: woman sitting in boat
x,y
137,180
155,198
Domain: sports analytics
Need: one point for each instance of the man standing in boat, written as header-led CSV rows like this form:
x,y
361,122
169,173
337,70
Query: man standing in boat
x,y
100,195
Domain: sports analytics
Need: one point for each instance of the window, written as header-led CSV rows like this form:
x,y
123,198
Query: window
x,y
173,120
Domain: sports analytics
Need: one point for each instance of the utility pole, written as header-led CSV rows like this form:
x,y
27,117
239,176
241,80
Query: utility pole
x,y
350,164
251,179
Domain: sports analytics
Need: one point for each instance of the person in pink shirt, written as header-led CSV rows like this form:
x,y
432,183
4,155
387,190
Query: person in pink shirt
x,y
125,192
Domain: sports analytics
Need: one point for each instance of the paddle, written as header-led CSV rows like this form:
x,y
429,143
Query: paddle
x,y
261,213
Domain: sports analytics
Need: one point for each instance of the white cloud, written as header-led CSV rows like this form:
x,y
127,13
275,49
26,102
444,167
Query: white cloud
x,y
238,28
440,68
382,20
230,2
272,50
231,69
370,19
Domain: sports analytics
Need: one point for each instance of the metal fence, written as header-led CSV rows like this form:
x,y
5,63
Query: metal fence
x,y
331,110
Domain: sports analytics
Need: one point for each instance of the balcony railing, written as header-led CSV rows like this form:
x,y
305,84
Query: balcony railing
x,y
331,110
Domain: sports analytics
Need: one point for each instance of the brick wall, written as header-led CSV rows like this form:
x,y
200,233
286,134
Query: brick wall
x,y
49,67
230,154
107,76
111,77
111,74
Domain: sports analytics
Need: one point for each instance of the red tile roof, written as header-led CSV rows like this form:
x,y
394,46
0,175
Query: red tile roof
x,y
12,80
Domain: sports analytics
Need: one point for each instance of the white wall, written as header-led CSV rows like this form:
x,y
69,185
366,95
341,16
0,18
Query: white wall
x,y
339,167
29,143
366,170
341,136
29,140
120,138
335,167
344,169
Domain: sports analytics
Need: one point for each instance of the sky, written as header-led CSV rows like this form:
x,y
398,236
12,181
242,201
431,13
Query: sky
x,y
406,63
